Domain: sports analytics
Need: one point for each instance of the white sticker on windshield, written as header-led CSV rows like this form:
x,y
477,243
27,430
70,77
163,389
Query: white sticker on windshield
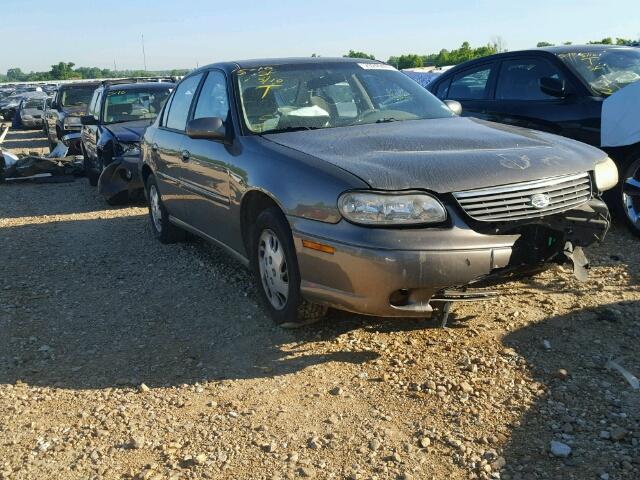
x,y
375,66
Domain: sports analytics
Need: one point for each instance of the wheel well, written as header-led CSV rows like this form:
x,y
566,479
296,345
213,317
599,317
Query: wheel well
x,y
253,203
146,171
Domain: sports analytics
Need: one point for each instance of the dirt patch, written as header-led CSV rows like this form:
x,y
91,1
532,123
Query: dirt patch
x,y
122,357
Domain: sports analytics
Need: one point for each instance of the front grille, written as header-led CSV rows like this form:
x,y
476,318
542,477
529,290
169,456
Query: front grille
x,y
515,202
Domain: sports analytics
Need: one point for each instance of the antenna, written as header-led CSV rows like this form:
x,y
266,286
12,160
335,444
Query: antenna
x,y
144,55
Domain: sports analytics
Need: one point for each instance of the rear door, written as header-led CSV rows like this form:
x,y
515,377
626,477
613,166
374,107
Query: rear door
x,y
472,88
519,100
168,144
205,169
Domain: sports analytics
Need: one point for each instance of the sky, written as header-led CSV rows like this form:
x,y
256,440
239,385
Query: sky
x,y
188,33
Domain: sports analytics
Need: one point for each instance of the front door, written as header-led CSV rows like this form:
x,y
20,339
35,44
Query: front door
x,y
520,101
167,147
205,172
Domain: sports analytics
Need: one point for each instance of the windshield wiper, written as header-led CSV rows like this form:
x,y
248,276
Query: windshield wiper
x,y
289,129
387,120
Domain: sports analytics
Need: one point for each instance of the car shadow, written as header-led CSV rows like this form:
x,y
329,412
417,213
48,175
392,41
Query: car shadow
x,y
24,194
580,401
80,312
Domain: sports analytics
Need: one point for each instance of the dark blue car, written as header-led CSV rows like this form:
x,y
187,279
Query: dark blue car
x,y
589,93
116,119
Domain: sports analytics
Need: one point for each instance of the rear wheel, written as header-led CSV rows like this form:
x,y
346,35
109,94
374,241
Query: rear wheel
x,y
629,193
162,228
275,267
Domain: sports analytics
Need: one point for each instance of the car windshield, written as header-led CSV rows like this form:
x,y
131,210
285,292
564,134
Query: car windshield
x,y
139,104
606,71
324,95
76,96
34,102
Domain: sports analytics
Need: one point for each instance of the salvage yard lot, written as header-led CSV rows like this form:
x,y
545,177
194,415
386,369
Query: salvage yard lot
x,y
121,357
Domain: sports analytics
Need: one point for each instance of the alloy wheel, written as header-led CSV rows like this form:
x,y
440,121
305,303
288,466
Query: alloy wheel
x,y
156,212
273,269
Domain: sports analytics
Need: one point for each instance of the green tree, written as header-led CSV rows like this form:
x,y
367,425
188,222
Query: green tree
x,y
16,75
64,71
355,54
409,61
604,41
544,44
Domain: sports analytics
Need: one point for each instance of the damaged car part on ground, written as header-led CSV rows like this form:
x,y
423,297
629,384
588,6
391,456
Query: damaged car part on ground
x,y
590,93
342,183
118,114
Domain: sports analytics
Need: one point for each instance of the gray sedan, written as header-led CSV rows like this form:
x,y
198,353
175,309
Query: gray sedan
x,y
342,183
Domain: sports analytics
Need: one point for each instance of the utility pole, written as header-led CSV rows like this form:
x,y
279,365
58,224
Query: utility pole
x,y
144,55
115,67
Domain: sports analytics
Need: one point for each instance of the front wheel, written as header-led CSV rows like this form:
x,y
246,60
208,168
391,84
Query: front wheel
x,y
275,267
629,194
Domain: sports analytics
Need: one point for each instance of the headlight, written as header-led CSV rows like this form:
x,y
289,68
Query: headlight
x,y
74,121
377,208
606,175
130,149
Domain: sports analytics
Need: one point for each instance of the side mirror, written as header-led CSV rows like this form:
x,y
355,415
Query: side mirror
x,y
88,120
553,87
210,128
454,106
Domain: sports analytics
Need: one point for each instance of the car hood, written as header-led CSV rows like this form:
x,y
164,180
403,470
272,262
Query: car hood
x,y
443,155
129,131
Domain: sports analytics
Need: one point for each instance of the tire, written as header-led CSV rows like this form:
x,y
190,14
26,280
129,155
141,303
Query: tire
x,y
162,228
275,266
627,193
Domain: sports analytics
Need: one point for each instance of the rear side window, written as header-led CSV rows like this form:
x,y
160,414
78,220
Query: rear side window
x,y
520,79
470,84
213,100
179,109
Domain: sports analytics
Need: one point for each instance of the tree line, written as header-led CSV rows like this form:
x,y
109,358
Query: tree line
x,y
466,52
66,71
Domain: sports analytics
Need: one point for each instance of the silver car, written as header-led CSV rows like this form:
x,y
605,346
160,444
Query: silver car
x,y
343,183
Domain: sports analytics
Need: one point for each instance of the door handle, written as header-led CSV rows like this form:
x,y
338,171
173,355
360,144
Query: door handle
x,y
185,155
154,147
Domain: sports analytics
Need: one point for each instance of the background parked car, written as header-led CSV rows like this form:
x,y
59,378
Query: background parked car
x,y
564,90
31,111
69,104
118,114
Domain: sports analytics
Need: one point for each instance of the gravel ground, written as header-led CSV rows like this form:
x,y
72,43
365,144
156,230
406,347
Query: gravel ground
x,y
121,357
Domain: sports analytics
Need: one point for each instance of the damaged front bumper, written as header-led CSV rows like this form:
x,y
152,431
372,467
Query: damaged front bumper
x,y
399,272
121,177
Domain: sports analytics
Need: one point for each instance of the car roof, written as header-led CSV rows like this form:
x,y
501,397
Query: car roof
x,y
144,85
558,49
261,62
78,84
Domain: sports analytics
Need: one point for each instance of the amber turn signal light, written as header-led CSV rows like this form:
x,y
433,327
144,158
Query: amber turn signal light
x,y
318,246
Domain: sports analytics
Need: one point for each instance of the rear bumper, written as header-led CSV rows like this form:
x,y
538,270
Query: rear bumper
x,y
395,273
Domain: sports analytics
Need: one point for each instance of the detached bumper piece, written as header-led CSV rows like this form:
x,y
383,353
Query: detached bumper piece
x,y
449,297
121,180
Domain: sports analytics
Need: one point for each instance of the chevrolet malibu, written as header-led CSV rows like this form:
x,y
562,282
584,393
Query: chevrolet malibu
x,y
343,183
